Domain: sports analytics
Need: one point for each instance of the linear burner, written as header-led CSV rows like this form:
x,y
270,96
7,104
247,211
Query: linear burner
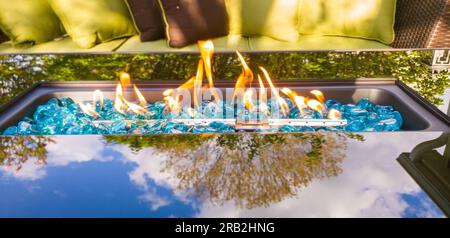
x,y
417,113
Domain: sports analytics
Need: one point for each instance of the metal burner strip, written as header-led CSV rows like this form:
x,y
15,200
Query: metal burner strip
x,y
269,122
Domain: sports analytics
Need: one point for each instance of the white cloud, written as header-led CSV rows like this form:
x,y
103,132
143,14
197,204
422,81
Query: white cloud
x,y
369,186
155,201
70,149
30,170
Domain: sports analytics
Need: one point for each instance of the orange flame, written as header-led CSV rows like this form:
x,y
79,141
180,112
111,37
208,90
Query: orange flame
x,y
172,101
247,98
122,105
263,107
243,87
319,95
125,80
245,79
315,105
283,104
207,51
334,114
140,97
298,100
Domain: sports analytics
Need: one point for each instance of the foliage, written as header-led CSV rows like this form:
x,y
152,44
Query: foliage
x,y
249,169
16,151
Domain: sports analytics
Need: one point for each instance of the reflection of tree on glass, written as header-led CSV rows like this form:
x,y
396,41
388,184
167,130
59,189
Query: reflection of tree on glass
x,y
16,151
251,170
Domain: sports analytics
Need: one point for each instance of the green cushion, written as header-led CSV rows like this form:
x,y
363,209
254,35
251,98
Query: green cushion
x,y
65,45
315,43
368,19
91,22
29,21
274,18
222,44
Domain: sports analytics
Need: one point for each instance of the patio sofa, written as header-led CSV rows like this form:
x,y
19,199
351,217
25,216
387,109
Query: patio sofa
x,y
418,24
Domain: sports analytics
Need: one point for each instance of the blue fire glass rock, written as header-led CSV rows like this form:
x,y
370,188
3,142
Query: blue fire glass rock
x,y
29,120
49,129
53,101
65,102
74,130
176,128
365,104
351,111
306,129
64,116
103,128
119,127
156,128
333,104
383,109
11,131
25,128
354,126
203,129
44,112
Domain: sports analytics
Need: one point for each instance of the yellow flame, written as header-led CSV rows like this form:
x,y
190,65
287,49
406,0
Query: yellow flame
x,y
315,105
98,96
298,100
135,108
140,97
88,109
248,100
245,78
206,52
283,104
172,101
118,101
168,92
334,114
262,97
125,79
319,95
173,98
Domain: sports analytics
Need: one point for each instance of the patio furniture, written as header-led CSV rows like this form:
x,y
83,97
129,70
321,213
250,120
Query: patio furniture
x,y
418,24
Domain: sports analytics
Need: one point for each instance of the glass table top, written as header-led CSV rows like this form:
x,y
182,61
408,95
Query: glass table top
x,y
240,175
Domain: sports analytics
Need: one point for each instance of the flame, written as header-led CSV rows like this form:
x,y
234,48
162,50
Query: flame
x,y
334,114
248,95
122,105
283,104
135,108
245,79
298,100
243,86
125,80
173,98
263,107
319,95
140,97
119,105
88,109
315,105
206,52
98,96
172,101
